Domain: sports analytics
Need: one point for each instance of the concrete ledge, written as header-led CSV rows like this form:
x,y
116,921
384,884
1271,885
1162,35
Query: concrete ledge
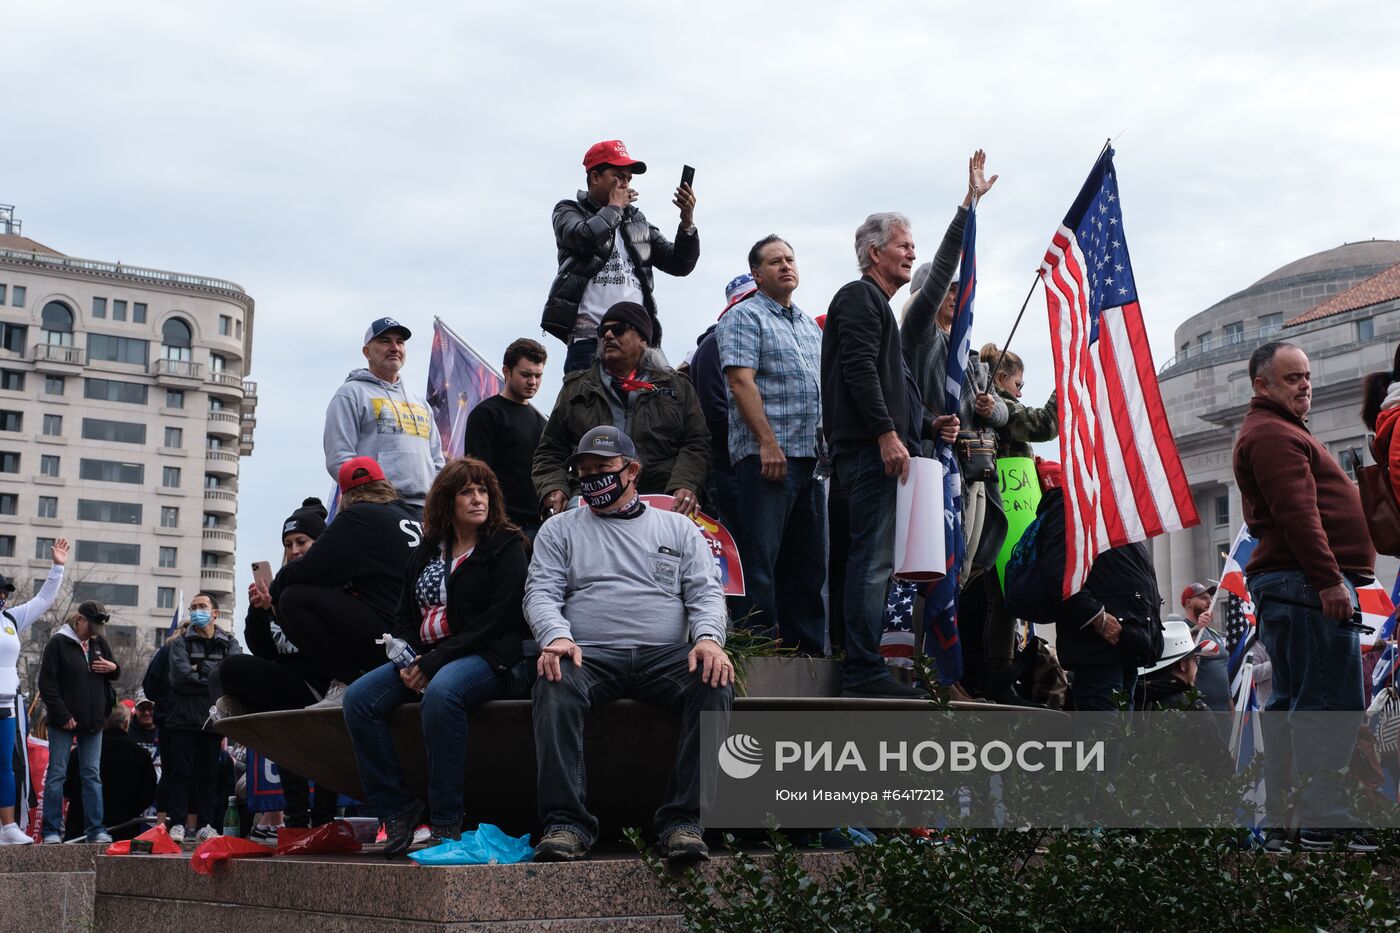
x,y
47,888
354,893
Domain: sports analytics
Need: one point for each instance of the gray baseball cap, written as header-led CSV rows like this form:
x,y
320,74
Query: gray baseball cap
x,y
603,441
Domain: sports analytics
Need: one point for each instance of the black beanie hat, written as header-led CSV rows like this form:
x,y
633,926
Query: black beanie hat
x,y
631,313
309,520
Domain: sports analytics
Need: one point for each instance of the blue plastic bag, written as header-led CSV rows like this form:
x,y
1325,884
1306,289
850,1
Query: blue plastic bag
x,y
485,845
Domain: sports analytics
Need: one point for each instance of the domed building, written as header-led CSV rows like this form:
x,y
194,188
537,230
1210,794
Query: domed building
x,y
1342,307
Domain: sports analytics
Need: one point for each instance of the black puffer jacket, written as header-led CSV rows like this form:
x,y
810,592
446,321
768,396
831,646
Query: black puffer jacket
x,y
1122,580
584,235
484,597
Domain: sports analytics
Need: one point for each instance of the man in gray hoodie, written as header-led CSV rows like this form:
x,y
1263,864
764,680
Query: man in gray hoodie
x,y
374,414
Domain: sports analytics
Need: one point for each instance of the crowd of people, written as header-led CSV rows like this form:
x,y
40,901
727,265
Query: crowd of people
x,y
532,567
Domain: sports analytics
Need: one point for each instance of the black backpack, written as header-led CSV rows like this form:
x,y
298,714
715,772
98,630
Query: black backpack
x,y
156,682
1034,580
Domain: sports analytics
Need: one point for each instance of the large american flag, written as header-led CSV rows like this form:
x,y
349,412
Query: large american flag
x,y
1122,474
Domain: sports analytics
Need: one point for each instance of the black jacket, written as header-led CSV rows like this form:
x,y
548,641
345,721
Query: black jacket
x,y
69,687
273,646
128,784
584,235
193,658
484,604
1122,580
362,551
865,387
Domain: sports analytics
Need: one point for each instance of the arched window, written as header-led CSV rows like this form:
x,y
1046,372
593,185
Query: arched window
x,y
176,337
57,324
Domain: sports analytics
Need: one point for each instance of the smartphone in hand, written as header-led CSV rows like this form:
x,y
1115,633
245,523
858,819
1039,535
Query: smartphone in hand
x,y
688,176
262,574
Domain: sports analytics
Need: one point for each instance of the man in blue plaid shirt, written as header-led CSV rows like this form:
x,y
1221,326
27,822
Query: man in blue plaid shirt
x,y
771,354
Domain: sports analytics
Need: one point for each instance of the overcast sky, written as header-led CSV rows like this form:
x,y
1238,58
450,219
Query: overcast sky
x,y
346,160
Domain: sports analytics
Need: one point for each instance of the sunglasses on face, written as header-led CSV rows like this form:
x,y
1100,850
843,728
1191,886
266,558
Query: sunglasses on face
x,y
614,329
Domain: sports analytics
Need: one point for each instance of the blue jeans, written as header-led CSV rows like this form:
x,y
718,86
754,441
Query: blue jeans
x,y
780,528
580,355
1317,668
457,687
871,497
652,674
1095,684
90,770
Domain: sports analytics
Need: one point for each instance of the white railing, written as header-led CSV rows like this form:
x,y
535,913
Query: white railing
x,y
117,268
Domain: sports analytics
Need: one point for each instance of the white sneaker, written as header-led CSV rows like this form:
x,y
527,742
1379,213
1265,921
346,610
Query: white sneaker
x,y
206,833
421,835
102,839
177,834
334,698
12,835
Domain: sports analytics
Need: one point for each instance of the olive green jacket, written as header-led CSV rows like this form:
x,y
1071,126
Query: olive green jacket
x,y
1025,426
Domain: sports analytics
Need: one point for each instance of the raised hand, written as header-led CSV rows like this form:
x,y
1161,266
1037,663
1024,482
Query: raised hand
x,y
978,183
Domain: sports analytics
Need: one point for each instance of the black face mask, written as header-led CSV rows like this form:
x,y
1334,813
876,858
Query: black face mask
x,y
602,489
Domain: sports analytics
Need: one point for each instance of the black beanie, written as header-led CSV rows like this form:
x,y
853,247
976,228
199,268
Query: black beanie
x,y
629,312
309,520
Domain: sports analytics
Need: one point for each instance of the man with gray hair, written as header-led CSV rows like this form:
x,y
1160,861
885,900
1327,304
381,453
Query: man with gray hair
x,y
871,423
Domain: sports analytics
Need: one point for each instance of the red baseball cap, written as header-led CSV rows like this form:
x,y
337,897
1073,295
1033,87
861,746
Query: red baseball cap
x,y
611,152
357,471
1197,589
1050,473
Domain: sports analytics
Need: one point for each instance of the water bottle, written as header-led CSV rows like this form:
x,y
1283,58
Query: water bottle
x,y
233,825
400,652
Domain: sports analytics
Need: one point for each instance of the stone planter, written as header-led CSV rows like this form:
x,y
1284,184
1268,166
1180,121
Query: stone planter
x,y
791,677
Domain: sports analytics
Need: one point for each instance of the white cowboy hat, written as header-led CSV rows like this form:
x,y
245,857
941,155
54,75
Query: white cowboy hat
x,y
1177,643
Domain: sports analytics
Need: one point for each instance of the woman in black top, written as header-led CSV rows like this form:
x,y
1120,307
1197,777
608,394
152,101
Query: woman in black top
x,y
460,611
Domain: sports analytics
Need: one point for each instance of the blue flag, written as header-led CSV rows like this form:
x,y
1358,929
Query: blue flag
x,y
941,641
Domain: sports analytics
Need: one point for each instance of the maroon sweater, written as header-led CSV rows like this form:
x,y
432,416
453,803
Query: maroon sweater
x,y
1297,501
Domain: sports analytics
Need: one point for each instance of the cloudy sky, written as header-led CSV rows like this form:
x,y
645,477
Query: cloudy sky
x,y
346,160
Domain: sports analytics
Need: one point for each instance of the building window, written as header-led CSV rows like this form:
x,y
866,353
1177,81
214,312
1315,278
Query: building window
x,y
1270,323
119,310
238,329
170,477
225,325
57,324
1234,333
119,513
213,443
1366,329
2,294
9,503
111,471
9,461
165,599
210,481
53,425
118,349
13,336
169,516
99,307
48,465
43,548
109,594
1203,342
174,437
1222,510
174,398
208,561
138,313
48,507
216,363
216,403
11,380
176,339
53,385
109,552
120,432
7,545
211,521
17,296
11,421
167,557
113,390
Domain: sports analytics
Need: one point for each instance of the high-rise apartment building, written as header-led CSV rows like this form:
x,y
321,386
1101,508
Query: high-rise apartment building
x,y
124,411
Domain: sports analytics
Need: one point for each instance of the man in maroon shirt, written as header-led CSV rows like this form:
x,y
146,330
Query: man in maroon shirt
x,y
1313,548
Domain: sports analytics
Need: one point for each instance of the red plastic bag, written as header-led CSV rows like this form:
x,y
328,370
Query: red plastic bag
x,y
335,837
157,836
211,852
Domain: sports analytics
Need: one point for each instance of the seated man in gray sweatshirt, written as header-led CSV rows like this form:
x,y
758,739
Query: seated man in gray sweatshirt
x,y
625,601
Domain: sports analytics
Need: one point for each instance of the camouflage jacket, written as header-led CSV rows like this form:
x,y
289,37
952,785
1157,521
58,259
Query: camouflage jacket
x,y
1025,426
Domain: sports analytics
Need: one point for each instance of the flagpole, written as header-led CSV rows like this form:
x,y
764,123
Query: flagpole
x,y
997,368
470,349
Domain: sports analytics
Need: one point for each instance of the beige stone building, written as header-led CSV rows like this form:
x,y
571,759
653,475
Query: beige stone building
x,y
1342,307
124,411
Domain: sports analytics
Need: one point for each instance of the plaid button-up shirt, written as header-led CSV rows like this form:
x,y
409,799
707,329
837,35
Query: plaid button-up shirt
x,y
784,349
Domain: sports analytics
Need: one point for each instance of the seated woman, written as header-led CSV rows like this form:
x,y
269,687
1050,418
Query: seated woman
x,y
340,595
461,611
276,676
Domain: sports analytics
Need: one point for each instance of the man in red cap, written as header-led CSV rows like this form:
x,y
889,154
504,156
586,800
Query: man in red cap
x,y
607,251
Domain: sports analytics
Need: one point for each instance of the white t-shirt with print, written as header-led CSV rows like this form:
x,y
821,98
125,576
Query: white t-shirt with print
x,y
616,281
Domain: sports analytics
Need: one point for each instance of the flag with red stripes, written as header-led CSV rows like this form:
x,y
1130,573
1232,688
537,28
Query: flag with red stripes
x,y
1123,476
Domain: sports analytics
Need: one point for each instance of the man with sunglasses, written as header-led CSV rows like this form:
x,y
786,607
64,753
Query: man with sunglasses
x,y
75,677
632,389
